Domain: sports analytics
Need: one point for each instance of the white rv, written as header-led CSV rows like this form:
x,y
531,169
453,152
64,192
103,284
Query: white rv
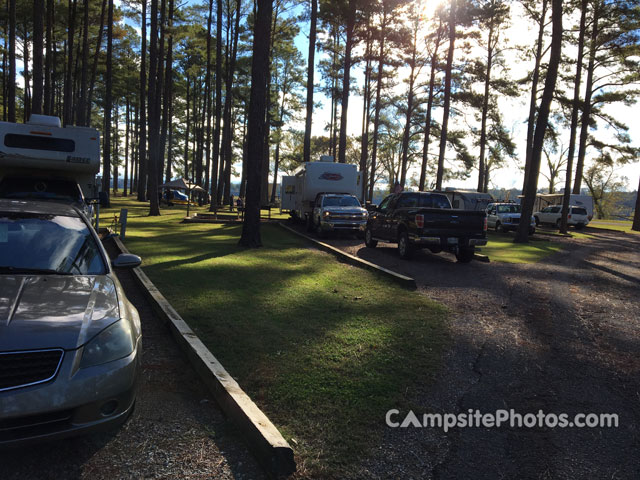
x,y
299,191
42,160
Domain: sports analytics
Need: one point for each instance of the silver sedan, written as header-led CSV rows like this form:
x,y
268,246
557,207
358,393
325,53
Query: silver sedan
x,y
70,341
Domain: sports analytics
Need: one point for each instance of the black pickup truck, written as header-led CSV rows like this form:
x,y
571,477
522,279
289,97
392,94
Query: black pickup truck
x,y
426,220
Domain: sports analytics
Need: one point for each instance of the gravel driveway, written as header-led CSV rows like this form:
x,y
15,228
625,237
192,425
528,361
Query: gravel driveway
x,y
176,431
561,335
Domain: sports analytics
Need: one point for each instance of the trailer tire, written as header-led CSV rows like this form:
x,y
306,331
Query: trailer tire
x,y
368,239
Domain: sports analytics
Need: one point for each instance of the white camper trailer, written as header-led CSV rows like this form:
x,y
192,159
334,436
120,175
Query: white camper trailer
x,y
300,190
40,159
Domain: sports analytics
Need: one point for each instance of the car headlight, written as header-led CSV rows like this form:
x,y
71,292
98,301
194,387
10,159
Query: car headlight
x,y
326,214
365,214
114,342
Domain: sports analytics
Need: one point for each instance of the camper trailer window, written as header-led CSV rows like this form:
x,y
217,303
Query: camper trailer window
x,y
33,142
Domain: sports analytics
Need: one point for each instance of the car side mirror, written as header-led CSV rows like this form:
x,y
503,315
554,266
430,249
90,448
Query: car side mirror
x,y
126,260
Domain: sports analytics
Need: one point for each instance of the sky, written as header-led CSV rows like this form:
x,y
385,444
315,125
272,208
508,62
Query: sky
x,y
515,113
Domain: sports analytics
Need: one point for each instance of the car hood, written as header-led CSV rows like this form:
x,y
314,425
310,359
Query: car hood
x,y
48,311
344,209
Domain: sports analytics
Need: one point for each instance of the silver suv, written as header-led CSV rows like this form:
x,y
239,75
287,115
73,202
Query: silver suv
x,y
338,211
506,216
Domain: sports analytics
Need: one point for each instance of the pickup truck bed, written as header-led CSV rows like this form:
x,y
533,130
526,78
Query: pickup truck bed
x,y
416,220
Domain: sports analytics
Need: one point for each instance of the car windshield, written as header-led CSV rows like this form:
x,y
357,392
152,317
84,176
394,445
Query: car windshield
x,y
508,208
346,201
40,243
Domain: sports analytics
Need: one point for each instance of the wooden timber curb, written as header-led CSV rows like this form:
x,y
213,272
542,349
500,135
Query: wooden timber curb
x,y
263,438
403,280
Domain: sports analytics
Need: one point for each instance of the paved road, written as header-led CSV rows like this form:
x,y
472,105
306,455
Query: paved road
x,y
176,431
562,335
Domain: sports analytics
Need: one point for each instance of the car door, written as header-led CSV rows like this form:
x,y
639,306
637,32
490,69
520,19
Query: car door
x,y
376,217
544,215
491,216
385,214
405,207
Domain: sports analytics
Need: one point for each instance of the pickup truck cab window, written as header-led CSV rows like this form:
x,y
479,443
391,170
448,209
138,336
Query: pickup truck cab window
x,y
384,205
407,201
439,201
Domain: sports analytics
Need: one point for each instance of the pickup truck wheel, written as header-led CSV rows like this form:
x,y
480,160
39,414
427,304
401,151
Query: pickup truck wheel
x,y
368,239
500,228
405,250
537,221
465,254
532,230
319,231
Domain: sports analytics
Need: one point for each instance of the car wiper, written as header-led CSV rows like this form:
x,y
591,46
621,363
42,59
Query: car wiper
x,y
31,271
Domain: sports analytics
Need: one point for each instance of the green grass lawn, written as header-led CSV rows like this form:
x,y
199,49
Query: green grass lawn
x,y
620,225
325,349
501,248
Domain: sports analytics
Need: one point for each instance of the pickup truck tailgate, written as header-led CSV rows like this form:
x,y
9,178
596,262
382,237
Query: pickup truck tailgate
x,y
453,223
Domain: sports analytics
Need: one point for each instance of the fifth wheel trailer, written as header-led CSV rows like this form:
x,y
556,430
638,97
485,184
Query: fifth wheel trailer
x,y
299,191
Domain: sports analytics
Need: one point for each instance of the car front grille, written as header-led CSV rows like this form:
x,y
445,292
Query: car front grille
x,y
21,369
344,216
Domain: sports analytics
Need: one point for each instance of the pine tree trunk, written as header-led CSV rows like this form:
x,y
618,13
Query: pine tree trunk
x,y
38,47
142,122
407,126
378,105
228,141
207,106
346,81
11,91
586,108
485,111
636,215
522,235
447,95
310,74
126,148
531,122
574,118
106,155
218,110
154,112
256,131
84,72
68,107
49,70
427,123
